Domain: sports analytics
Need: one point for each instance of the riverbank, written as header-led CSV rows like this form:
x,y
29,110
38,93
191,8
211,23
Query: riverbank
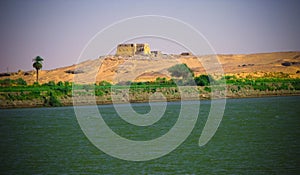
x,y
14,94
142,96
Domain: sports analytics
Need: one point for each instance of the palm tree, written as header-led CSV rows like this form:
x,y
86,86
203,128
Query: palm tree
x,y
37,64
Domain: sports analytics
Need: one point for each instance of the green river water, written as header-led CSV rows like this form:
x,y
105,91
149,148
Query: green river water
x,y
256,136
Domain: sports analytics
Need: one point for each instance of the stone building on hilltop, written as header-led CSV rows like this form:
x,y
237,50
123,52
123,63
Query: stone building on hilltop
x,y
133,49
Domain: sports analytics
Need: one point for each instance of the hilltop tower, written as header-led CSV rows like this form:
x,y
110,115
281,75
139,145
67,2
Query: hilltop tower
x,y
133,49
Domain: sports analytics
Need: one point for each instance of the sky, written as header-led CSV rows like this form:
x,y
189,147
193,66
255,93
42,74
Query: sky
x,y
58,30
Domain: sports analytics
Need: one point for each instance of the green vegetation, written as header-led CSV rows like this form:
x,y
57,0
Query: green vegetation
x,y
52,100
184,74
53,94
265,83
9,82
49,92
181,70
204,80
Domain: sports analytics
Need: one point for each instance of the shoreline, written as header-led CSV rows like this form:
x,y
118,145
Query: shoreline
x,y
69,102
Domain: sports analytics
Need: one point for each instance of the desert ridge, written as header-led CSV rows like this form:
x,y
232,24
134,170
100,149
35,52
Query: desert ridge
x,y
117,69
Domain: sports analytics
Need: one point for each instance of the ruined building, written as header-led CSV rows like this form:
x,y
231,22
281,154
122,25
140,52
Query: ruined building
x,y
133,49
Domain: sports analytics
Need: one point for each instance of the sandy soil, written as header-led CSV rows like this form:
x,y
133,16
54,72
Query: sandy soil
x,y
144,68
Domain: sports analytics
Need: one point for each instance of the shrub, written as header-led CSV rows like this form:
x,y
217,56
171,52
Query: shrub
x,y
260,86
35,94
60,83
161,80
21,82
104,83
99,92
62,89
67,83
284,86
202,80
296,84
6,82
181,70
52,100
50,83
9,82
207,89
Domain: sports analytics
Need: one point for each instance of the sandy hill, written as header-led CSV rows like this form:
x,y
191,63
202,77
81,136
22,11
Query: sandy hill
x,y
144,68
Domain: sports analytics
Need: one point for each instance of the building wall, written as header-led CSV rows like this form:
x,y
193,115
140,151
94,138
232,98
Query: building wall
x,y
126,49
133,49
146,49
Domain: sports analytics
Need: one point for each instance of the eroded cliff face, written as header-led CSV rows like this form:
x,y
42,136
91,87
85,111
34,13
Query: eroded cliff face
x,y
145,68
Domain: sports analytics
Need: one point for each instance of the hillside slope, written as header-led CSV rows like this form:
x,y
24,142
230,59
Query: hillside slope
x,y
142,68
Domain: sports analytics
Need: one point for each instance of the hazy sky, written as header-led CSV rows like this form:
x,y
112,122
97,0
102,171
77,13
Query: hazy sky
x,y
58,30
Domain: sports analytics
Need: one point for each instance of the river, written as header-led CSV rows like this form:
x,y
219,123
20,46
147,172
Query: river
x,y
255,136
